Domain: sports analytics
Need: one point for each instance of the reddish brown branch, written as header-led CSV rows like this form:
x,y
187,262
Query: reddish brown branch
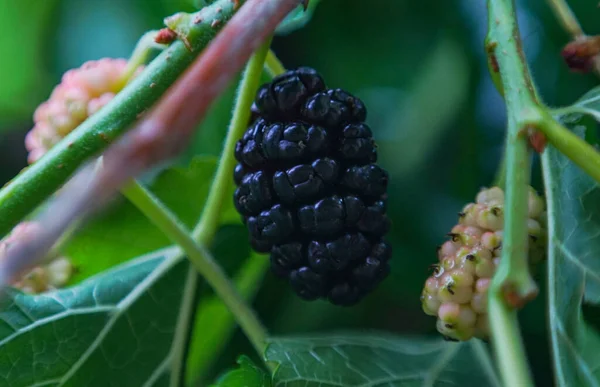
x,y
170,124
160,135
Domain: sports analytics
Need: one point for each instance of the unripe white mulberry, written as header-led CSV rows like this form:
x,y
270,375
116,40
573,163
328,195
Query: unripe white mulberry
x,y
490,197
456,293
41,278
82,92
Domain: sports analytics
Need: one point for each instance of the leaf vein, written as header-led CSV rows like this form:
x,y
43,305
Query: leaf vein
x,y
577,262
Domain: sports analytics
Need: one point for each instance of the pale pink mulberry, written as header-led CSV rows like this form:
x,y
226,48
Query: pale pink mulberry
x,y
43,277
82,92
456,292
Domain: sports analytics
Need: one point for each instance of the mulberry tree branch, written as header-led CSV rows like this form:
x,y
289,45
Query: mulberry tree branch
x,y
160,135
39,181
512,285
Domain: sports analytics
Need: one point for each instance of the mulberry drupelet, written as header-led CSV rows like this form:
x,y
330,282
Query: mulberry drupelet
x,y
309,191
457,291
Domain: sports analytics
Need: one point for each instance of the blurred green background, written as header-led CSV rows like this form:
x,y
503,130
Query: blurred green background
x,y
418,65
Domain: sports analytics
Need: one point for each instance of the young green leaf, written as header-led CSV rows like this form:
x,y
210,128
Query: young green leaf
x,y
588,104
378,360
297,19
123,232
573,201
246,375
121,328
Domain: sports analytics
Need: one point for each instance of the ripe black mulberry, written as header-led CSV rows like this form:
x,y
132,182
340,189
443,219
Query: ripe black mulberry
x,y
309,189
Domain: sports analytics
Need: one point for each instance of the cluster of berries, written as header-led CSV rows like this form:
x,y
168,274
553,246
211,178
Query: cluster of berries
x,y
456,292
309,189
41,278
82,92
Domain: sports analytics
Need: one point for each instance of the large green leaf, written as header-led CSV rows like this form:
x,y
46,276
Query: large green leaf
x,y
123,232
125,327
379,360
573,201
246,375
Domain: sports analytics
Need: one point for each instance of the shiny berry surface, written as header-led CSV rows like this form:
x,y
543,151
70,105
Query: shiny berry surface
x,y
309,189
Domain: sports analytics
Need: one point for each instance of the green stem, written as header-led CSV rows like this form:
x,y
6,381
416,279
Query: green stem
x,y
512,281
512,284
213,314
168,223
576,149
566,17
209,222
179,346
500,179
273,65
42,179
139,56
508,345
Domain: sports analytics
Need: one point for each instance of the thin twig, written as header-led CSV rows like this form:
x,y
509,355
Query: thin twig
x,y
571,25
160,135
566,17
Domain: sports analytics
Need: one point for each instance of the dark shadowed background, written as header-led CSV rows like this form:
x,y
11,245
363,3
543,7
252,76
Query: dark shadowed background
x,y
418,65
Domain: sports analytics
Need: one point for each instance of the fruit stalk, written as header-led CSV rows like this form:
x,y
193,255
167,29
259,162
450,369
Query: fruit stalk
x,y
209,220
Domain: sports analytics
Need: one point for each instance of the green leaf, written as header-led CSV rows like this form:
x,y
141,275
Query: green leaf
x,y
379,360
214,324
297,18
588,104
121,328
122,232
573,201
246,375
